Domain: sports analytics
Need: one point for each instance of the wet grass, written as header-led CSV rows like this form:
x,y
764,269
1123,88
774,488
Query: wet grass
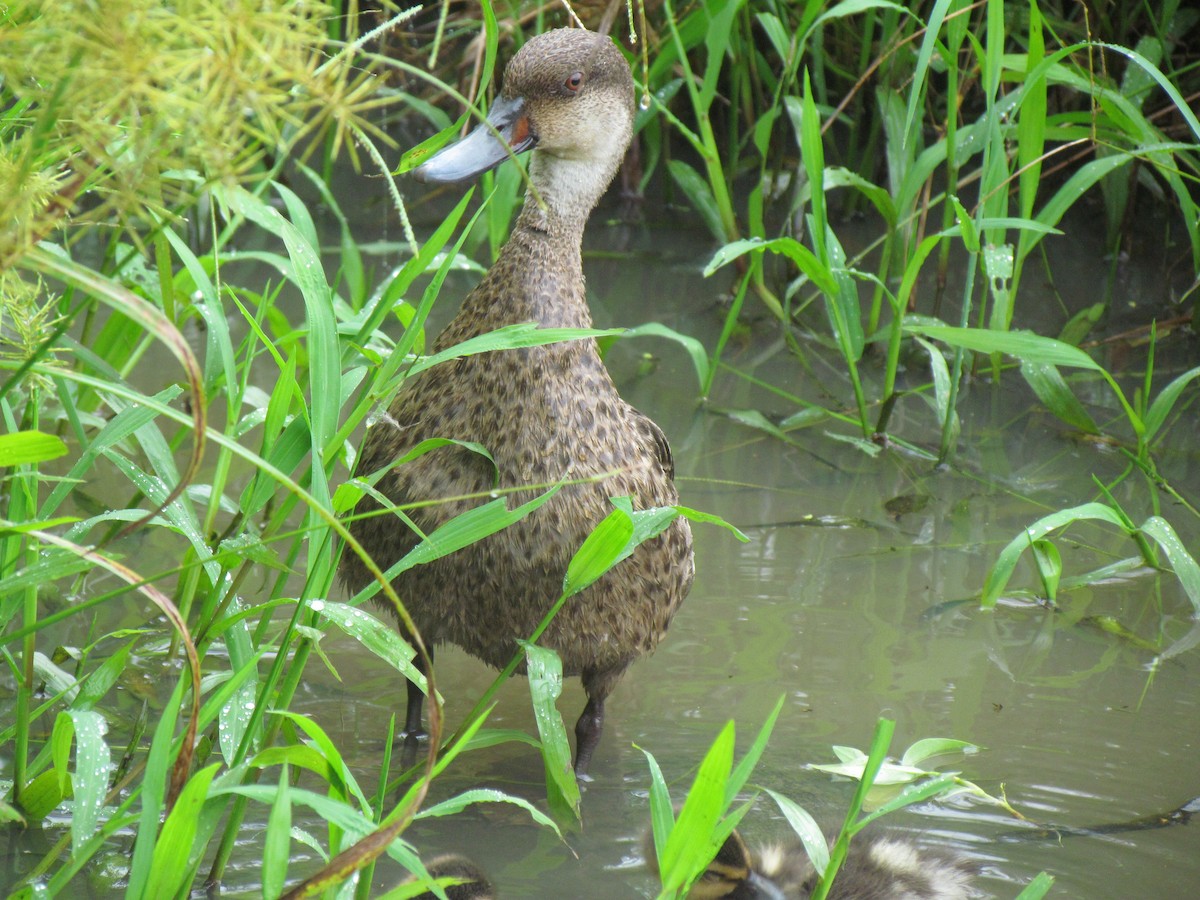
x,y
178,448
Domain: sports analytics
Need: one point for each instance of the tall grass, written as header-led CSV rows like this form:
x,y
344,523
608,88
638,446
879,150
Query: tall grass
x,y
985,133
970,131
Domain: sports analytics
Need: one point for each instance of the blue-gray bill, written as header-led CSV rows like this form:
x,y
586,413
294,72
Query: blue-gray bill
x,y
482,150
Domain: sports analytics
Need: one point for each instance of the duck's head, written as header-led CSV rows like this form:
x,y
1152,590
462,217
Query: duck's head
x,y
734,874
460,878
568,95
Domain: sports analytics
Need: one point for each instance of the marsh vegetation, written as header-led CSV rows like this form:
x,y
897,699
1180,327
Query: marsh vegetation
x,y
913,294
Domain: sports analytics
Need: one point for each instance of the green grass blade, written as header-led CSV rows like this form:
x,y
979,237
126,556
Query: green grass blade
x,y
812,153
398,286
690,846
927,748
509,337
1038,888
219,364
129,419
707,518
1023,345
912,793
808,263
1052,389
282,451
1165,401
278,841
1031,122
545,685
171,868
378,637
720,29
946,414
839,176
1186,110
606,545
426,446
346,783
486,795
745,766
695,349
154,323
807,830
93,764
333,811
1006,562
24,447
468,528
324,372
101,679
662,813
154,783
876,756
700,194
1049,567
1182,561
351,257
916,90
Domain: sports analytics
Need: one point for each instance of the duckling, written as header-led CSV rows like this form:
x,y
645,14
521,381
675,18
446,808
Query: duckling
x,y
472,883
876,868
546,414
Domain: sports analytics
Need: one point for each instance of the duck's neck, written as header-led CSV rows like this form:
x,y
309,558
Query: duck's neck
x,y
538,276
565,190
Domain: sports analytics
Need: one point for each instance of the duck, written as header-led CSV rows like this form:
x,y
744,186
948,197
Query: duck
x,y
548,415
877,867
470,883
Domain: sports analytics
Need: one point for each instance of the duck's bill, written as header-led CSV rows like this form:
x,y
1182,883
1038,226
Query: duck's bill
x,y
763,888
481,150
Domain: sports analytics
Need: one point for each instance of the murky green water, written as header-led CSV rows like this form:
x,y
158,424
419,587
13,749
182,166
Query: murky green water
x,y
841,602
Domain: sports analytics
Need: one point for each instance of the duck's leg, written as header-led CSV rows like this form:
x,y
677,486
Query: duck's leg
x,y
587,735
597,685
416,699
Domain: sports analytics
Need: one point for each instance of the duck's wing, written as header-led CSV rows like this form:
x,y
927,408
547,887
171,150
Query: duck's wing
x,y
654,439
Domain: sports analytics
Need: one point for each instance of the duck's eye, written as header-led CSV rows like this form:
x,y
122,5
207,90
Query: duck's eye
x,y
574,82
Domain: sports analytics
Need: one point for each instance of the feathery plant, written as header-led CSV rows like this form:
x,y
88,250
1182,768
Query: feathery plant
x,y
139,108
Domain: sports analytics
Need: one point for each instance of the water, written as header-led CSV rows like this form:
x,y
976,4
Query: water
x,y
853,599
842,601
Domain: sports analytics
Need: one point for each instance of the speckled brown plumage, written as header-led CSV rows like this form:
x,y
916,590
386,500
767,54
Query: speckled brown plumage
x,y
544,413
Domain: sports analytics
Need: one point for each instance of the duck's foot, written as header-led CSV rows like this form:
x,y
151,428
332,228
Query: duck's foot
x,y
413,729
412,746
